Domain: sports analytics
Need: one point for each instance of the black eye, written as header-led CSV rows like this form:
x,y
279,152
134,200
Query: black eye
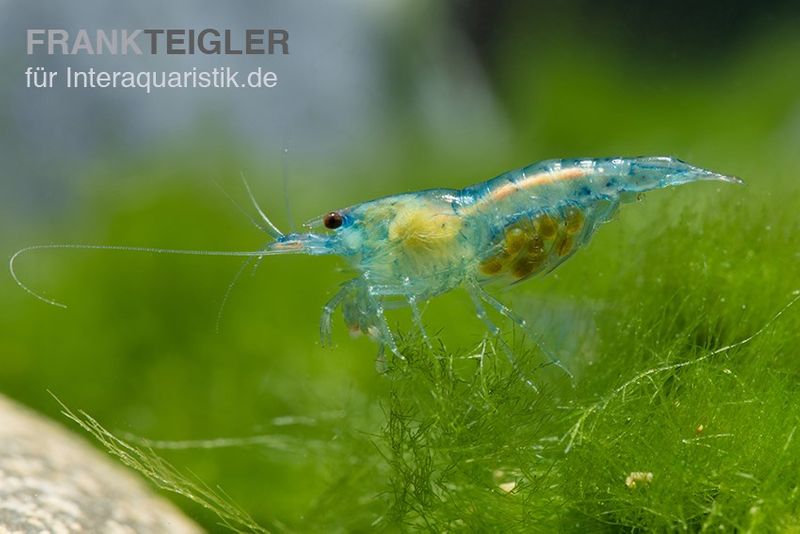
x,y
333,220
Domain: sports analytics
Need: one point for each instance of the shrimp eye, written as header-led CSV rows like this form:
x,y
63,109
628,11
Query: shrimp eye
x,y
333,220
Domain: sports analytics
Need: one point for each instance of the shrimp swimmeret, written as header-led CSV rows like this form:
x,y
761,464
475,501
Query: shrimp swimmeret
x,y
414,246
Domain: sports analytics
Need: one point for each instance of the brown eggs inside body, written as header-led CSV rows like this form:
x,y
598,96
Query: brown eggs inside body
x,y
529,243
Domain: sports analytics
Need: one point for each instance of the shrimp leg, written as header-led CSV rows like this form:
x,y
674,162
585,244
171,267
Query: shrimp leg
x,y
363,313
480,310
417,316
507,312
327,311
375,292
411,299
501,308
387,337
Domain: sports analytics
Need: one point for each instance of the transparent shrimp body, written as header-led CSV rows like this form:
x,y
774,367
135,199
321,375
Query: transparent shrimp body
x,y
410,247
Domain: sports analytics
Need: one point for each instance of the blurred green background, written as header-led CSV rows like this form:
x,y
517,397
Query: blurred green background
x,y
375,100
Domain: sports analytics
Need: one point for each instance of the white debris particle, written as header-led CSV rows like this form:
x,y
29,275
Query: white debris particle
x,y
638,478
508,487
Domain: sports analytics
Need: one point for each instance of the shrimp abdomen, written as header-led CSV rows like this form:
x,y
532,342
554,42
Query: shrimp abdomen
x,y
539,215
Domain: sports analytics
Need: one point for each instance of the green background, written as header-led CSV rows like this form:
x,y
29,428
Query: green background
x,y
673,278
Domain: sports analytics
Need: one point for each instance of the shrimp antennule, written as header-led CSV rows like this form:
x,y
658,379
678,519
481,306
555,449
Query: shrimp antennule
x,y
270,228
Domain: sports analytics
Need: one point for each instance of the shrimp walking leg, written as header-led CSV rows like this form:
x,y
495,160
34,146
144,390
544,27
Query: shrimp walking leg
x,y
417,317
387,337
325,327
507,312
411,299
376,307
480,311
501,308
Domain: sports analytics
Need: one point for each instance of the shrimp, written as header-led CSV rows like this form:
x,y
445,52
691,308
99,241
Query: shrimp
x,y
411,247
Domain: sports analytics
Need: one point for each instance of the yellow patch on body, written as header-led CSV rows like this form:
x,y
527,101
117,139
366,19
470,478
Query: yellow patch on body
x,y
424,229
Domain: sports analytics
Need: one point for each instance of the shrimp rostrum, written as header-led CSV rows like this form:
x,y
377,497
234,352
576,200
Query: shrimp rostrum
x,y
410,247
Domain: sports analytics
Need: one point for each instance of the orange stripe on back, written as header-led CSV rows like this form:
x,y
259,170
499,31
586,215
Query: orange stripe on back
x,y
537,179
541,178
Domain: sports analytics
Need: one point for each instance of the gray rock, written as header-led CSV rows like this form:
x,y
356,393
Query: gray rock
x,y
52,481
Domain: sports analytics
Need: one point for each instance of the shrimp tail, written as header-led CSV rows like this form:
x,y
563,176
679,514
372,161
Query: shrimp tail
x,y
638,175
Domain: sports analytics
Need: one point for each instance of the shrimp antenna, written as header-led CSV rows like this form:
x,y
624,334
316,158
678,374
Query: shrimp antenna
x,y
271,229
285,171
239,207
152,250
228,291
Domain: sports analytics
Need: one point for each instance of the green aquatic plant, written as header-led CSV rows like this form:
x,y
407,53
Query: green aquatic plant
x,y
464,443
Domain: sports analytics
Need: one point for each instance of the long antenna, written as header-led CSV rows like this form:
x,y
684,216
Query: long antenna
x,y
152,250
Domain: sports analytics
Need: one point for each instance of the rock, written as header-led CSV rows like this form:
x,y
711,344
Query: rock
x,y
53,481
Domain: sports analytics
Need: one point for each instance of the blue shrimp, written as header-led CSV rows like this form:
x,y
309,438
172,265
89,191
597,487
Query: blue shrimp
x,y
410,247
